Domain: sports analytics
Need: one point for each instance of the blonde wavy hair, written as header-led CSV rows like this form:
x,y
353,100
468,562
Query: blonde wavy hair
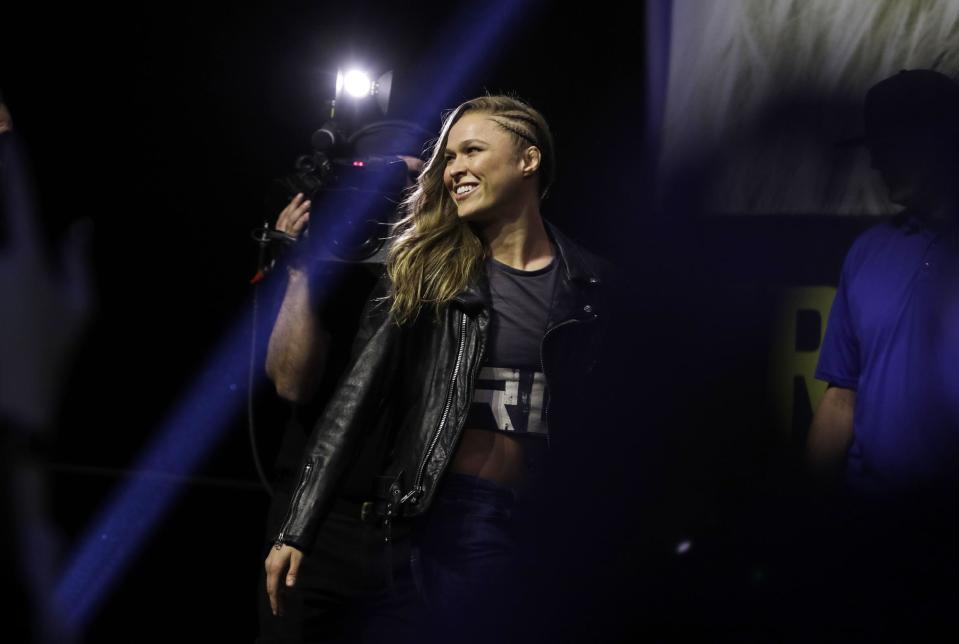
x,y
434,254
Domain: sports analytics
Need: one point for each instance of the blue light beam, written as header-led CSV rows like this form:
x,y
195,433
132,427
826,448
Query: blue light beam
x,y
186,437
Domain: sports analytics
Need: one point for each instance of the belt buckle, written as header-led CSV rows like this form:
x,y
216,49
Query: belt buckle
x,y
366,510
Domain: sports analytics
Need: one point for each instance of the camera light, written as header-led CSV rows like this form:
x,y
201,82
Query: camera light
x,y
357,84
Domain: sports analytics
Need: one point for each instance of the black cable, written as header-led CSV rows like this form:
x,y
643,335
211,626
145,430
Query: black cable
x,y
250,415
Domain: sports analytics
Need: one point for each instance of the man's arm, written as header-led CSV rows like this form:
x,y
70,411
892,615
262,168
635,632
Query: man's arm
x,y
831,433
297,350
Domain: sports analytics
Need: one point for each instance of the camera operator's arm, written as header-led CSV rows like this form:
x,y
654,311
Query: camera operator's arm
x,y
296,354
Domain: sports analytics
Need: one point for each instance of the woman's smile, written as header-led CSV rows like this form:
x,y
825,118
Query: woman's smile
x,y
464,190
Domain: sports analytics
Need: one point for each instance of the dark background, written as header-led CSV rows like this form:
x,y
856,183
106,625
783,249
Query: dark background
x,y
165,124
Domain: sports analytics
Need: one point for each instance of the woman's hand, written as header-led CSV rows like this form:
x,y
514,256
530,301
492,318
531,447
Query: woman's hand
x,y
281,561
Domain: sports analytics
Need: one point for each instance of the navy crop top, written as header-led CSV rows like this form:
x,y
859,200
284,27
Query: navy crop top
x,y
510,392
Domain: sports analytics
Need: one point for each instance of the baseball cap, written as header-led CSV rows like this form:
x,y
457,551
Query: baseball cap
x,y
911,102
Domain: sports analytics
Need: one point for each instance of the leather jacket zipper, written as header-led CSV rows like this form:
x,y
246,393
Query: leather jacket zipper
x,y
418,481
304,478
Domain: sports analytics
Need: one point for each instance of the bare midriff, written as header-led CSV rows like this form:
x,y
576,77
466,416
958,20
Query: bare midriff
x,y
491,455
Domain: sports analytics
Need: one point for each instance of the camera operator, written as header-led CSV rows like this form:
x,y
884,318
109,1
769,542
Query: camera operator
x,y
308,349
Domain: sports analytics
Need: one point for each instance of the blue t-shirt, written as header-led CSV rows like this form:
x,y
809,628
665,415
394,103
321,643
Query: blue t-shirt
x,y
893,336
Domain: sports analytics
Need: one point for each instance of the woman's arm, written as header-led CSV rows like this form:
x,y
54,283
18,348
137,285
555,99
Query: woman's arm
x,y
360,395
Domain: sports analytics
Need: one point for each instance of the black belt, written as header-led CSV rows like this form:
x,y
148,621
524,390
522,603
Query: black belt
x,y
371,510
367,511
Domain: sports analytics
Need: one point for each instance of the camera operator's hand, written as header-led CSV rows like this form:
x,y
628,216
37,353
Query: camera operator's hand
x,y
294,217
292,221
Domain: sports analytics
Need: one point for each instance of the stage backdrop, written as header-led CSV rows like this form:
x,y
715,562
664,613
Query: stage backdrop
x,y
759,92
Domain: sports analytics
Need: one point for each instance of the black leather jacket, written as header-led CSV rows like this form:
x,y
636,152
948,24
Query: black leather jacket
x,y
422,374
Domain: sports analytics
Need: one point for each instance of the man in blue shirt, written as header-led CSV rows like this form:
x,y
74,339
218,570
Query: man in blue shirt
x,y
888,423
891,412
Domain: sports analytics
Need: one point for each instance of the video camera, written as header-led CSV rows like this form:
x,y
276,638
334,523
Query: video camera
x,y
354,178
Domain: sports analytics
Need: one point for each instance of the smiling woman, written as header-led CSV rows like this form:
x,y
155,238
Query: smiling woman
x,y
485,167
502,147
485,313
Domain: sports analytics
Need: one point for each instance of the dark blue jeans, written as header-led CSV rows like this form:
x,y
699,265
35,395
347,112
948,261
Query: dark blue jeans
x,y
464,560
344,594
462,584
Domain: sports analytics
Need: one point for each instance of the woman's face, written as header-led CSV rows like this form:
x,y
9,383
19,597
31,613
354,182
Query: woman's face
x,y
484,168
